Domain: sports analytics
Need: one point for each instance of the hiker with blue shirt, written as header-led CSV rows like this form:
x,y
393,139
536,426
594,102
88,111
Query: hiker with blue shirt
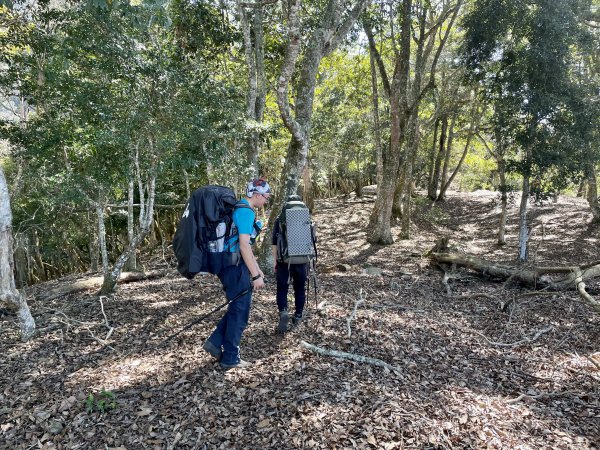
x,y
242,278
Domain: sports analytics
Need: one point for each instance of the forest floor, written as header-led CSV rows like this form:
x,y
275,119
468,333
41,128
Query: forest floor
x,y
465,373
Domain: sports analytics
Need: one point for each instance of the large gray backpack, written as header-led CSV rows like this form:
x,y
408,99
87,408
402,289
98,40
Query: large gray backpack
x,y
297,241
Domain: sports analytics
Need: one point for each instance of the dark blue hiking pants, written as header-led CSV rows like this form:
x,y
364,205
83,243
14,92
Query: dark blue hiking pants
x,y
228,334
298,274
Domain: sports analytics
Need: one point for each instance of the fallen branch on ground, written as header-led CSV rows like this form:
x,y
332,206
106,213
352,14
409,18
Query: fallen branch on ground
x,y
573,277
518,343
350,356
96,283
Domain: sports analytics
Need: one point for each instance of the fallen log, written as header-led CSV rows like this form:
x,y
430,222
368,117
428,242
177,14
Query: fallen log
x,y
550,278
96,282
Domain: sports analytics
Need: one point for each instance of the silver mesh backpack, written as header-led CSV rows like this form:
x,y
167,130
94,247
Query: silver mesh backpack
x,y
296,243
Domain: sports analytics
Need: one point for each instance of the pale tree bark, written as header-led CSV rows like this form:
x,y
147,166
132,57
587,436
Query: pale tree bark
x,y
10,297
503,202
99,206
131,263
523,228
432,159
146,218
336,20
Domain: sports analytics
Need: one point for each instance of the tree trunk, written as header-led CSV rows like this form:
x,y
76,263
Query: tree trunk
x,y
592,193
10,297
431,188
110,278
448,154
131,264
99,205
333,27
435,180
503,201
376,122
523,229
474,123
407,175
380,220
256,96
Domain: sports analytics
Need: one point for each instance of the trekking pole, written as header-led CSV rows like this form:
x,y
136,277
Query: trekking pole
x,y
200,319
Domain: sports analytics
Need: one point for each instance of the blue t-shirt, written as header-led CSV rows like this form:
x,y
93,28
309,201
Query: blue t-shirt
x,y
243,218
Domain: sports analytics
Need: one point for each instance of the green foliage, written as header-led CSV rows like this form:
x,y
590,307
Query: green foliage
x,y
102,402
523,54
103,82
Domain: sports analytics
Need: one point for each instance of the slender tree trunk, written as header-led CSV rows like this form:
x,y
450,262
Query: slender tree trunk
x,y
431,188
10,297
581,189
111,277
407,175
592,193
523,228
254,52
376,122
447,156
474,123
335,22
503,200
93,247
99,205
131,263
435,181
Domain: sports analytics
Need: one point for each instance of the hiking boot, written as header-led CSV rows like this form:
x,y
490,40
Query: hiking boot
x,y
212,350
241,364
283,321
296,320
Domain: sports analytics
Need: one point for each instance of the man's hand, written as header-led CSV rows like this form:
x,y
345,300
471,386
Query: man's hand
x,y
259,283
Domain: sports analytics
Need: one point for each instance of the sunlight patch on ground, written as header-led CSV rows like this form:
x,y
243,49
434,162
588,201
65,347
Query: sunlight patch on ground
x,y
163,304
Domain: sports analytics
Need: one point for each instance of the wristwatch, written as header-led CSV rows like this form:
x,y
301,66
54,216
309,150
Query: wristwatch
x,y
256,277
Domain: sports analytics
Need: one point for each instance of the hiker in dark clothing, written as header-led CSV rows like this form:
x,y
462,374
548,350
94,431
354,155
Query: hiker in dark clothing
x,y
285,272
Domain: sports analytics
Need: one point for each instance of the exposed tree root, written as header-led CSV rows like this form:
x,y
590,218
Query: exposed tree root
x,y
569,277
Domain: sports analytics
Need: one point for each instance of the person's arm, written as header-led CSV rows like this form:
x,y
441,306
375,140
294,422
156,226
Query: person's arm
x,y
250,260
274,253
274,239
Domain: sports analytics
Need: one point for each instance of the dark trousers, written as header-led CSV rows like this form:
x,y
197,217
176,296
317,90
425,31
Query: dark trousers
x,y
298,274
228,334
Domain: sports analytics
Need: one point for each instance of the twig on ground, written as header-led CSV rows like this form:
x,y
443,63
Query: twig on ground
x,y
518,343
110,329
360,301
590,359
540,396
472,296
350,356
